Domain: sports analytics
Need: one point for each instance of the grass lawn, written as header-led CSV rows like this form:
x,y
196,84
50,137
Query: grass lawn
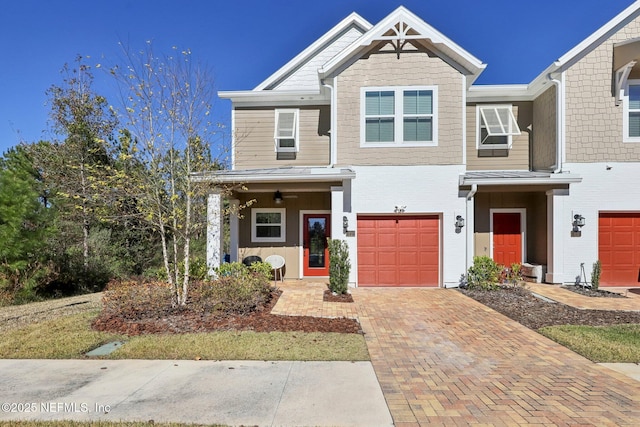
x,y
70,337
602,344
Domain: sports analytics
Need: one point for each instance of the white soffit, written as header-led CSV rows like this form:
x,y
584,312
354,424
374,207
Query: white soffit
x,y
499,93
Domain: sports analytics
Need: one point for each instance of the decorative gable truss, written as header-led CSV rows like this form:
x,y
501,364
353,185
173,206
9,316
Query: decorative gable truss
x,y
404,31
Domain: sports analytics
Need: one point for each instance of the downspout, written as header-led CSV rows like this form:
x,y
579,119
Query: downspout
x,y
559,123
333,115
470,195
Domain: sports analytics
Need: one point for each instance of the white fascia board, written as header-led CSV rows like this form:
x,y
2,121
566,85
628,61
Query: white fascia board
x,y
552,180
352,19
499,93
250,98
541,83
402,14
316,175
600,35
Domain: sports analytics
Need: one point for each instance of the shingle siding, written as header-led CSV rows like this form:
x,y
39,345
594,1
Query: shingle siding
x,y
594,131
410,69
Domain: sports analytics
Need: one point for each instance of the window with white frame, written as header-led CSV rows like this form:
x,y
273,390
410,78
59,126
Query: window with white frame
x,y
631,104
268,225
399,115
286,130
496,126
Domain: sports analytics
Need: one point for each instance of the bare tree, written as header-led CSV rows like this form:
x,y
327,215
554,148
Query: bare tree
x,y
167,108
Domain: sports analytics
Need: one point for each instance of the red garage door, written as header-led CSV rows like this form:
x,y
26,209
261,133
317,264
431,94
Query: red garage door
x,y
619,248
398,251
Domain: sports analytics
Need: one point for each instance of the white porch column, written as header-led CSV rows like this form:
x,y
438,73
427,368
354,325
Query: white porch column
x,y
556,227
470,229
234,230
214,232
337,212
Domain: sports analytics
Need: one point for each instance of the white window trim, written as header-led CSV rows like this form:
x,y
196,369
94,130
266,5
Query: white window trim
x,y
296,131
513,122
398,117
283,225
625,118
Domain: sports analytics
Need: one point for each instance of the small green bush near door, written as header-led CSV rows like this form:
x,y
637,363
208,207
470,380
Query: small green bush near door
x,y
339,266
483,274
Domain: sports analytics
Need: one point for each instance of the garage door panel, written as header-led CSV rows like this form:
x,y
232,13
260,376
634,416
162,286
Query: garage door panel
x,y
407,251
619,248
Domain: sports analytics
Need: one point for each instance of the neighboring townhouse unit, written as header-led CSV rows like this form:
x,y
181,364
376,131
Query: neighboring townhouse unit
x,y
376,134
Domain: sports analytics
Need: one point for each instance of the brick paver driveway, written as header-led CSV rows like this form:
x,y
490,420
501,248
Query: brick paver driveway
x,y
443,359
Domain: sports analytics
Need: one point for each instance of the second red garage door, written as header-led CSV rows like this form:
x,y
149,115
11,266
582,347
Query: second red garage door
x,y
398,250
619,248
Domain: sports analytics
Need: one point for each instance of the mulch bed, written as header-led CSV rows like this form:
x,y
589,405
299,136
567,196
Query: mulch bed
x,y
534,313
594,293
186,321
328,296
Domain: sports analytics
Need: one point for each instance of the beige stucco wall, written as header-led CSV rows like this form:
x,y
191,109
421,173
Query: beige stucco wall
x,y
410,69
517,158
535,204
254,143
290,249
593,121
544,130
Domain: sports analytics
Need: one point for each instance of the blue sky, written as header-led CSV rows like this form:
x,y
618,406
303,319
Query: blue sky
x,y
244,41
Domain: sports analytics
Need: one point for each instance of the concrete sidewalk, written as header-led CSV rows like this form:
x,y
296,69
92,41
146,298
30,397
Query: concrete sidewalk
x,y
206,392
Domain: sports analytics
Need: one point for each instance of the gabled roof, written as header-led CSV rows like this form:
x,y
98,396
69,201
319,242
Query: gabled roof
x,y
585,47
300,78
403,25
314,56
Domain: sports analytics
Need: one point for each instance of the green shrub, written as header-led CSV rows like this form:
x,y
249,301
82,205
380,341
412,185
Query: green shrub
x,y
595,274
339,266
483,274
136,299
511,276
237,289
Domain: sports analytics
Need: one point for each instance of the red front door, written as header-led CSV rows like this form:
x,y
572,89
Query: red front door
x,y
316,230
507,238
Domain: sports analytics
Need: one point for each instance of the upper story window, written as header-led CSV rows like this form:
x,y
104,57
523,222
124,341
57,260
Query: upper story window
x,y
631,121
496,126
268,225
286,130
398,115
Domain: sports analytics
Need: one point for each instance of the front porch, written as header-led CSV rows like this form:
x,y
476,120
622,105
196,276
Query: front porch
x,y
288,212
518,218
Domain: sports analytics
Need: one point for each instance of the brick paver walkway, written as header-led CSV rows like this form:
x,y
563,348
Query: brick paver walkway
x,y
564,296
444,359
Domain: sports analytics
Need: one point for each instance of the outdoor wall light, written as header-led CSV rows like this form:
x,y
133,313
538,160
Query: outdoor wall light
x,y
578,222
277,197
459,221
345,224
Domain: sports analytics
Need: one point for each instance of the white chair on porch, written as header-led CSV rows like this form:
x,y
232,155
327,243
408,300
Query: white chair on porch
x,y
277,264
